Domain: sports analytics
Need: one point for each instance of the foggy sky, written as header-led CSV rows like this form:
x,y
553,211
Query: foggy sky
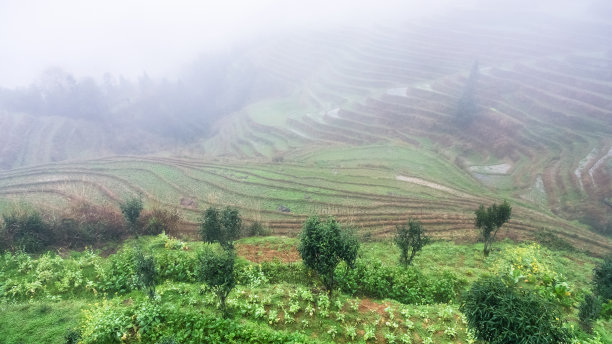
x,y
129,38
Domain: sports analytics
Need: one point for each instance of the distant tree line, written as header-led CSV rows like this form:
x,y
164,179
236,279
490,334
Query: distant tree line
x,y
210,87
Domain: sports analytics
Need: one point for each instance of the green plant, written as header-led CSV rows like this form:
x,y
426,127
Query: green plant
x,y
106,322
217,270
25,230
411,239
168,340
369,332
490,220
588,311
146,273
530,266
349,248
410,286
602,279
131,210
257,229
322,246
499,313
222,228
72,336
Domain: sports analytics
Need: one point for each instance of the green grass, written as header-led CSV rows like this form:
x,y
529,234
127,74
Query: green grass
x,y
405,160
295,307
39,321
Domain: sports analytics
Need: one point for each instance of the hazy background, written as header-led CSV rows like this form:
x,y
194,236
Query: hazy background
x,y
129,38
156,37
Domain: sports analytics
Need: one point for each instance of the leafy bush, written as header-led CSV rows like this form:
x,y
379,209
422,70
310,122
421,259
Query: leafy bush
x,y
217,270
589,311
26,230
257,229
323,245
222,228
177,265
147,322
529,266
146,272
106,322
602,279
116,274
410,239
131,210
410,286
72,336
277,272
499,313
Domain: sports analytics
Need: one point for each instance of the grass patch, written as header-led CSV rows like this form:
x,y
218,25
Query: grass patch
x,y
39,322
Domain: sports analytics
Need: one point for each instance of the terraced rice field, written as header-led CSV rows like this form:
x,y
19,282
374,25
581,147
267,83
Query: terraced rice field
x,y
544,109
366,131
371,199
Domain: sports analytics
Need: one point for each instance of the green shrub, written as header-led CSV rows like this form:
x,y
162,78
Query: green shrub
x,y
257,229
116,274
72,336
588,311
323,245
602,279
131,210
146,272
410,286
221,227
606,310
177,265
530,266
106,322
498,313
278,272
217,270
410,239
27,231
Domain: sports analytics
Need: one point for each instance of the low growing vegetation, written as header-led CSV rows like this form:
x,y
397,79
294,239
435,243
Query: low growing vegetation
x,y
161,289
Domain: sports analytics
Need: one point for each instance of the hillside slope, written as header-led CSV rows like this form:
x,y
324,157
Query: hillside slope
x,y
362,123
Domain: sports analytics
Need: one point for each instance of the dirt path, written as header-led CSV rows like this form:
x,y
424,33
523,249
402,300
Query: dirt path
x,y
432,185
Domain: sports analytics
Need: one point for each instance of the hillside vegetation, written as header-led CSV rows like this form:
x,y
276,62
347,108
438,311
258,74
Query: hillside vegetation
x,y
276,299
379,102
397,124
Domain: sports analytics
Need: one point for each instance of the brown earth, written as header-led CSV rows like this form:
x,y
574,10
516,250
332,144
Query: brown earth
x,y
258,254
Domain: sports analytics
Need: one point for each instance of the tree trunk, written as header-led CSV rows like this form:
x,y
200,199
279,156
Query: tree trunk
x,y
412,254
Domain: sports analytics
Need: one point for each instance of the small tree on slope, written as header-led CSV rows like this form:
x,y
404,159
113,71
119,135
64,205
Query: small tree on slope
x,y
131,210
146,273
217,270
410,239
222,227
323,245
490,220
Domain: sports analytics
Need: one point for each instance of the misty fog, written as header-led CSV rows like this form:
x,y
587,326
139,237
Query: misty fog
x,y
151,76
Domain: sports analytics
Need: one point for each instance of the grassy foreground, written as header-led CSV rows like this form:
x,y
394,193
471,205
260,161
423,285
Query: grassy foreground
x,y
276,299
